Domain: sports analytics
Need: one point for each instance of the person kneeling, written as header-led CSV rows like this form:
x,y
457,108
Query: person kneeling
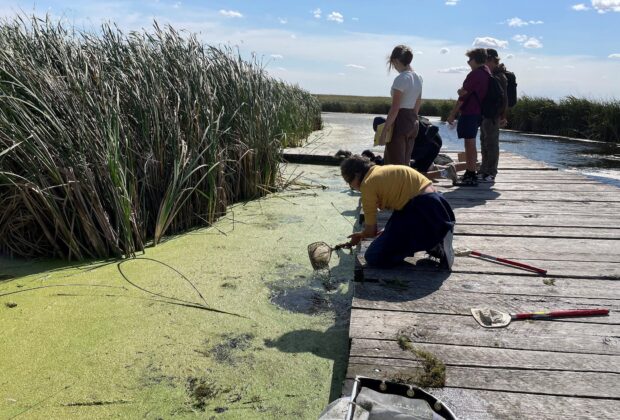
x,y
422,220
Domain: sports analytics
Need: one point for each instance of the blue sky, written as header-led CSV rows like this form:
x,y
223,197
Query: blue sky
x,y
555,47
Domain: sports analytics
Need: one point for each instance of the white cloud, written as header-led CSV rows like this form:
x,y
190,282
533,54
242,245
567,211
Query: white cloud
x,y
283,21
355,18
335,17
533,43
316,13
416,52
460,69
277,56
569,66
488,42
580,7
509,56
613,56
518,22
281,69
520,38
341,74
231,13
515,21
177,5
604,6
444,50
356,66
452,2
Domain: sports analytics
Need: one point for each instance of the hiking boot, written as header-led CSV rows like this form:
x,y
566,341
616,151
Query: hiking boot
x,y
449,172
482,177
469,178
447,259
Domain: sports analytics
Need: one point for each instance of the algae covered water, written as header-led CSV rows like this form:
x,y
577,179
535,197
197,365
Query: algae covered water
x,y
230,321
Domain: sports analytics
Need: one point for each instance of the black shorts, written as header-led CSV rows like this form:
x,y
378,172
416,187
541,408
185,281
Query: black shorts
x,y
467,126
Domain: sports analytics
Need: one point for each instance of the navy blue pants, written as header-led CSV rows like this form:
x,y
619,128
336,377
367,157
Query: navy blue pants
x,y
419,226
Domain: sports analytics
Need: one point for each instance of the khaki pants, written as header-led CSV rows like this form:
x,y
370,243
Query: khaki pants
x,y
489,145
398,151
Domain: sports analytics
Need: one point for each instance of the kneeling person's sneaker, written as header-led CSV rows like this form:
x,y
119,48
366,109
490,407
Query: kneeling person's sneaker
x,y
447,259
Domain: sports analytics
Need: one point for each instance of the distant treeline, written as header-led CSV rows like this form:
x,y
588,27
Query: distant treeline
x,y
379,105
570,116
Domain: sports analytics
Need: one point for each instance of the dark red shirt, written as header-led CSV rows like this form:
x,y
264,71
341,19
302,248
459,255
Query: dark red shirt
x,y
476,84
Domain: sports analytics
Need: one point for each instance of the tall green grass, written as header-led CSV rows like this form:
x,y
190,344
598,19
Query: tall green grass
x,y
570,116
110,140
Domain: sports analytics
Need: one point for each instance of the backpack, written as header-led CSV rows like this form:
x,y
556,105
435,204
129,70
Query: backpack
x,y
494,99
511,88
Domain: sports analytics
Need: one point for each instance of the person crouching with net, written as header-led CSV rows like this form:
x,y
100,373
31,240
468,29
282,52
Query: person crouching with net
x,y
422,220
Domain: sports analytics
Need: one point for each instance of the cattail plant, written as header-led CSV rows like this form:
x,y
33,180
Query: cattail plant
x,y
110,141
570,116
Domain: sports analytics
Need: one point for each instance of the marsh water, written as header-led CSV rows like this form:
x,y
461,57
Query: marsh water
x,y
599,160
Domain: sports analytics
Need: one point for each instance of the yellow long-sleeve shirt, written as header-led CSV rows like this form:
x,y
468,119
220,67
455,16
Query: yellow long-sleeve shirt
x,y
389,187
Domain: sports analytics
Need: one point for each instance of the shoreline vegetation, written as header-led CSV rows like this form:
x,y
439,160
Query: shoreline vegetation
x,y
570,116
109,141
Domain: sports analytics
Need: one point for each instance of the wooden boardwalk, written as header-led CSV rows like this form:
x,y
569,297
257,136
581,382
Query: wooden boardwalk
x,y
570,368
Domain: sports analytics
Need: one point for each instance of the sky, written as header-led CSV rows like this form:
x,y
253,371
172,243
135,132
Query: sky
x,y
556,48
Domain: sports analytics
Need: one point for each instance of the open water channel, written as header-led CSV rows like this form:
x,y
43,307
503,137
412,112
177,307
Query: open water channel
x,y
599,160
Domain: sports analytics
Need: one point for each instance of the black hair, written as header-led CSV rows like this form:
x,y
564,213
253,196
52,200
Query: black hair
x,y
355,165
479,55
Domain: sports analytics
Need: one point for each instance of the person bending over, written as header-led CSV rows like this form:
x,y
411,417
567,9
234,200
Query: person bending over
x,y
422,220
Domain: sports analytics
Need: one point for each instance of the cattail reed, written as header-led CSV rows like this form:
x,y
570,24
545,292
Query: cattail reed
x,y
110,141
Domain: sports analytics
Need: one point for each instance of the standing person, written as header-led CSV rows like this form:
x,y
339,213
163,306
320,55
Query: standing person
x,y
469,105
491,123
422,220
406,94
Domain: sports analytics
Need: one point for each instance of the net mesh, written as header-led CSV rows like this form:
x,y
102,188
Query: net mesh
x,y
320,253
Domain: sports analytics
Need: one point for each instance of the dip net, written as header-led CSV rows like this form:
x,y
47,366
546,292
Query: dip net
x,y
319,253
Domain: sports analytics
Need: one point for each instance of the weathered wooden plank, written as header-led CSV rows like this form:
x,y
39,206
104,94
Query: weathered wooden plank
x,y
416,298
540,187
559,336
601,214
587,221
518,225
455,355
484,194
538,249
469,404
536,231
565,383
558,249
472,265
597,209
504,284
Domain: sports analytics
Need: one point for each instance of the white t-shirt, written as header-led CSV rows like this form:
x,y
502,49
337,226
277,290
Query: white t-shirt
x,y
410,84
